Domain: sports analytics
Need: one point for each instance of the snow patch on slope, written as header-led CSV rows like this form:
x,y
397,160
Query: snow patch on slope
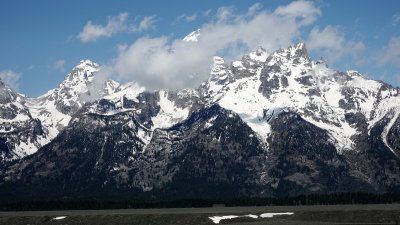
x,y
387,129
49,107
169,113
23,149
129,91
243,98
52,119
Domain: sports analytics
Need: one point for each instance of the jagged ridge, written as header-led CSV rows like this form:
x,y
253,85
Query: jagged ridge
x,y
282,102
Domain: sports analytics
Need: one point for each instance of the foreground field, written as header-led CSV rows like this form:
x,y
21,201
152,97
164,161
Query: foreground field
x,y
335,214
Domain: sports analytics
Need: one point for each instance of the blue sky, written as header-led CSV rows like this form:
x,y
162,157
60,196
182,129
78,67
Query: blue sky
x,y
42,40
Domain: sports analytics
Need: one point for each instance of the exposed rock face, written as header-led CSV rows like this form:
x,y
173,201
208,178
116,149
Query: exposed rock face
x,y
302,166
267,125
211,154
29,124
81,159
20,133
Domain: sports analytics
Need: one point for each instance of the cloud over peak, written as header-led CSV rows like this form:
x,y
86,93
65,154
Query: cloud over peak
x,y
10,78
165,63
331,43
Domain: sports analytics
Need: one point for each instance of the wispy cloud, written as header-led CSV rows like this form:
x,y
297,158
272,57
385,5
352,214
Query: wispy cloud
x,y
115,24
396,19
59,65
31,67
187,18
331,43
10,78
207,13
304,11
390,53
225,14
146,23
254,8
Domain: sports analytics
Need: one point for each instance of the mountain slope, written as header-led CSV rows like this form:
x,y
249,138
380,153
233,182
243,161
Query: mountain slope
x,y
269,124
36,121
20,133
56,107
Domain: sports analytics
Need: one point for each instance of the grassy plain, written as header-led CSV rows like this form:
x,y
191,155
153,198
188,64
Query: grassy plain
x,y
323,214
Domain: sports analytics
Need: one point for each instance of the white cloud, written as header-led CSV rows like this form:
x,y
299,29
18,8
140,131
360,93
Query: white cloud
x,y
59,65
10,78
162,63
98,85
187,18
207,13
331,43
396,19
115,24
304,11
254,8
225,13
358,53
390,54
146,23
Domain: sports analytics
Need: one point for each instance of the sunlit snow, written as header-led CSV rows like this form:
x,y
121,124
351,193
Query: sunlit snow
x,y
217,219
59,217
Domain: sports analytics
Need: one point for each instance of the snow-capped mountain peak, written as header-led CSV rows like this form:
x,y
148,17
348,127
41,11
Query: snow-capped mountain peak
x,y
293,55
219,66
259,55
262,85
264,111
258,86
192,36
86,63
80,75
55,108
66,96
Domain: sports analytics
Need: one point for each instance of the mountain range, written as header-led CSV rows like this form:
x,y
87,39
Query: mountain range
x,y
270,124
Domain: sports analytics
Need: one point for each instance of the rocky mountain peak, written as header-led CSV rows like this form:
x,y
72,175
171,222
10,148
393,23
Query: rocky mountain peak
x,y
82,72
259,55
353,73
219,71
299,51
192,36
218,65
54,109
293,55
6,93
299,47
265,125
85,63
69,90
321,61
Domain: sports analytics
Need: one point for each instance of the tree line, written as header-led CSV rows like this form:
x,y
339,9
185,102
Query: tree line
x,y
82,204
